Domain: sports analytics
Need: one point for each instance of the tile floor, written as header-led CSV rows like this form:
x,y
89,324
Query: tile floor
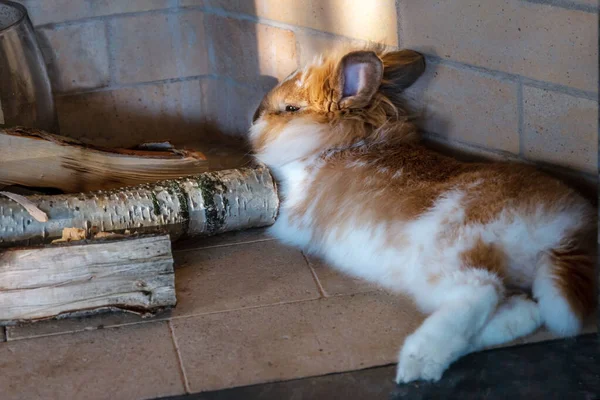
x,y
523,374
249,311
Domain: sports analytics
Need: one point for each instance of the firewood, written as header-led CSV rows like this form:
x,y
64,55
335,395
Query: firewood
x,y
200,205
132,274
38,159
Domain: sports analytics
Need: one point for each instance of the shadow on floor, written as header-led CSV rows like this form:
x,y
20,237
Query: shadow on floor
x,y
560,369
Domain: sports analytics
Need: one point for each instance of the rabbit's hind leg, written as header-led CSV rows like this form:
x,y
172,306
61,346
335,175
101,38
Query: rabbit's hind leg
x,y
466,299
516,317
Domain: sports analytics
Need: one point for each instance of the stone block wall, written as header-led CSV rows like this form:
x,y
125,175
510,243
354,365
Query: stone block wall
x,y
510,78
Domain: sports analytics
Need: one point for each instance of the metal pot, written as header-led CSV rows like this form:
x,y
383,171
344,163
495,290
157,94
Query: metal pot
x,y
25,90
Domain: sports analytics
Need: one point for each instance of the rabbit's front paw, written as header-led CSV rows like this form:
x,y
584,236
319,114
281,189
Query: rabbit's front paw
x,y
419,360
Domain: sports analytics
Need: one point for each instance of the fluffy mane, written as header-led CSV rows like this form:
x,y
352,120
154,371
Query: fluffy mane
x,y
387,117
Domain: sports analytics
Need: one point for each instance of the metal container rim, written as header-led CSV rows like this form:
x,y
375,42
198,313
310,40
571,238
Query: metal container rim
x,y
21,8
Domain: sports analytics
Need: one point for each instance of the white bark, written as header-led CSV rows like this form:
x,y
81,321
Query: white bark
x,y
201,205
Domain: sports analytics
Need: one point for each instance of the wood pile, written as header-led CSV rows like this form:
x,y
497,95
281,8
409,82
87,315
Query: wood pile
x,y
105,242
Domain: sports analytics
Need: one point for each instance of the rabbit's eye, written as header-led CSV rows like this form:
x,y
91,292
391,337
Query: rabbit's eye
x,y
290,108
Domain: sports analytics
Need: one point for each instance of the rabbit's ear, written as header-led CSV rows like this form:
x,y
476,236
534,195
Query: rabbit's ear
x,y
357,78
402,69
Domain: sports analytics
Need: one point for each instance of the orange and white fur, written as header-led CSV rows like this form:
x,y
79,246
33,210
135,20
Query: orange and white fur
x,y
360,191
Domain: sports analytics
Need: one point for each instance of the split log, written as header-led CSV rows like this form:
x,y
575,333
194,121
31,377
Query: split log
x,y
201,205
38,159
132,274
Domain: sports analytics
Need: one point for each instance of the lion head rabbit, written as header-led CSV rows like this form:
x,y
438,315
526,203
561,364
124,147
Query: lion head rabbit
x,y
359,190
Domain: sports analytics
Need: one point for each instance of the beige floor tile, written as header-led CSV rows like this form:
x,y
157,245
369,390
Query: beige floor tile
x,y
245,275
293,340
225,239
334,282
135,362
79,324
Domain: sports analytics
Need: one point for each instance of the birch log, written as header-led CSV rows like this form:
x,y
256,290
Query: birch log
x,y
200,205
133,274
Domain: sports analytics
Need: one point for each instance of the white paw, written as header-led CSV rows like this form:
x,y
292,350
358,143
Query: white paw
x,y
516,317
527,318
421,359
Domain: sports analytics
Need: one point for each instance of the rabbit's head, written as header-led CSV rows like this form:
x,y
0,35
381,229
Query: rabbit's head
x,y
334,102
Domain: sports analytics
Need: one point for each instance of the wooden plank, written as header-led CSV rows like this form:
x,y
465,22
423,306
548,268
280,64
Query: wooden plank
x,y
133,274
40,159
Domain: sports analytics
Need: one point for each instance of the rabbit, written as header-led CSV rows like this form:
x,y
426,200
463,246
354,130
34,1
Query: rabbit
x,y
360,190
